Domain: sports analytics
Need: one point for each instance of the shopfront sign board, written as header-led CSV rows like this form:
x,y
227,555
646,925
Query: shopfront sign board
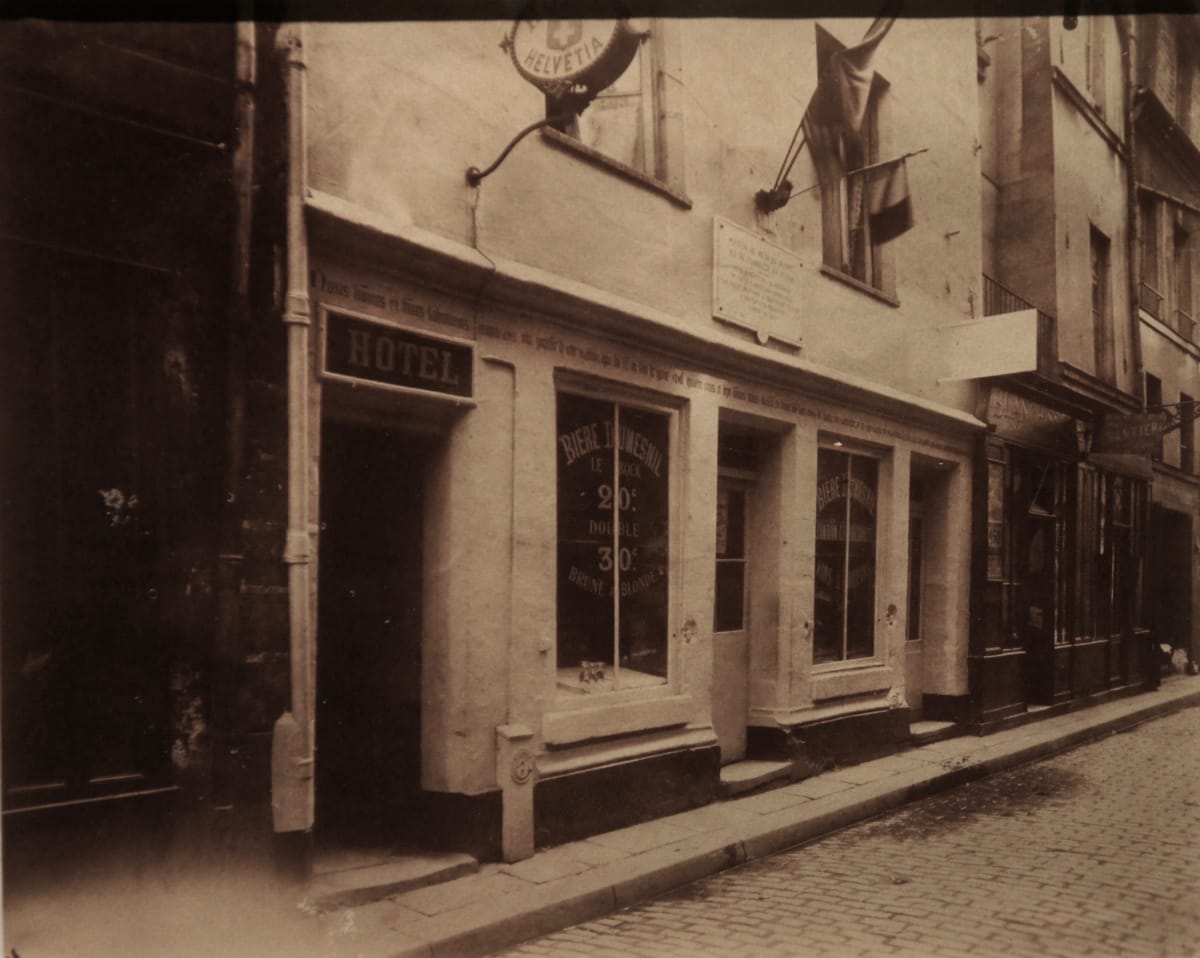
x,y
1026,421
992,346
369,351
1133,435
756,284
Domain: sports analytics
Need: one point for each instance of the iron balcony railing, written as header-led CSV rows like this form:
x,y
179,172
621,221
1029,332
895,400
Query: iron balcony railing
x,y
998,299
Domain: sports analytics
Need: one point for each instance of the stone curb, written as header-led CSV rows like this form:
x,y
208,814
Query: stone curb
x,y
511,919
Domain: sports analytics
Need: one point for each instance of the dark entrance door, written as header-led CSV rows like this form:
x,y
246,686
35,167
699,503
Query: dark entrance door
x,y
369,633
1170,576
1038,532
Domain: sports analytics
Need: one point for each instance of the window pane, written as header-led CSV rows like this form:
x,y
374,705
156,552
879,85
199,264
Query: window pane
x,y
731,590
613,482
915,553
641,566
829,598
731,523
729,608
860,575
585,514
844,602
613,122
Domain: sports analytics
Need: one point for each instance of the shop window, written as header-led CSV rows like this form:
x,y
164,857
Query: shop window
x,y
629,123
1111,522
1187,433
844,604
1102,326
613,518
1149,291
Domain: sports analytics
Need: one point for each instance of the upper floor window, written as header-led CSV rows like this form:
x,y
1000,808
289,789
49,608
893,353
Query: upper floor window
x,y
1150,287
1154,401
1089,57
1096,53
1181,259
1102,326
847,244
1187,433
629,123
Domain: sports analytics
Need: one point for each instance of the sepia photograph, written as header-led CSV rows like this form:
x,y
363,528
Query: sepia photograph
x,y
600,479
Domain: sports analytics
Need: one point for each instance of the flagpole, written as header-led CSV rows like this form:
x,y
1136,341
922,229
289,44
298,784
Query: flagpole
x,y
792,162
894,159
785,166
861,169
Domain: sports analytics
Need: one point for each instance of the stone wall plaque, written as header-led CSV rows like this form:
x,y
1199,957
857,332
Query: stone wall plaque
x,y
756,284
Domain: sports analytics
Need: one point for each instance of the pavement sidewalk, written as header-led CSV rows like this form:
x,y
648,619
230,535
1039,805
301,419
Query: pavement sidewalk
x,y
161,911
501,904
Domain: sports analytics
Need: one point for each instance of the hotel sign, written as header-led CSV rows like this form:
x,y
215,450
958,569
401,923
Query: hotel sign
x,y
379,353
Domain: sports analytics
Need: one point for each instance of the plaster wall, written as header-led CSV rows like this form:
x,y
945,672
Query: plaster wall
x,y
1089,190
489,643
399,111
1178,367
1025,225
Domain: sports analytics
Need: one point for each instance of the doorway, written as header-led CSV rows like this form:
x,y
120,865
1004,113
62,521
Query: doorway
x,y
1170,581
368,719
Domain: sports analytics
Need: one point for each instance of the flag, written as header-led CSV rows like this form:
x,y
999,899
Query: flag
x,y
889,205
840,102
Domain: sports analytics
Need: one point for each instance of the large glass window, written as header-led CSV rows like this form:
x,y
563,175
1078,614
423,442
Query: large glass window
x,y
844,607
613,504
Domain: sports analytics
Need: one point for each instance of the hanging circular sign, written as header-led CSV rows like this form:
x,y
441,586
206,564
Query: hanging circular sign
x,y
561,55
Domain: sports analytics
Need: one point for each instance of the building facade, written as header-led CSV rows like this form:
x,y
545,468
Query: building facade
x,y
121,239
671,463
1167,166
486,505
1068,592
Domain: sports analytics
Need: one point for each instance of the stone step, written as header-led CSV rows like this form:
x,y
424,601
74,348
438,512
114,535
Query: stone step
x,y
923,733
741,777
344,878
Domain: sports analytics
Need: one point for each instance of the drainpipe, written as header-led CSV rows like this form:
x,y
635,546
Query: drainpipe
x,y
292,743
1133,234
229,556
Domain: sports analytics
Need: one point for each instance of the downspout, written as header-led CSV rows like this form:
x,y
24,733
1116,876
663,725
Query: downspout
x,y
229,552
292,745
1133,234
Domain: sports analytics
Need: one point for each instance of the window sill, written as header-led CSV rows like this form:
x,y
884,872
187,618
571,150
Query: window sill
x,y
859,285
615,714
835,680
572,145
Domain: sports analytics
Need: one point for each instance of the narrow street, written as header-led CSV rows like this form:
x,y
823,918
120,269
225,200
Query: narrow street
x,y
1095,852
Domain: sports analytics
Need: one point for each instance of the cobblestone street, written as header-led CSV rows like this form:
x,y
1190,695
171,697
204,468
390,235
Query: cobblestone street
x,y
1095,852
